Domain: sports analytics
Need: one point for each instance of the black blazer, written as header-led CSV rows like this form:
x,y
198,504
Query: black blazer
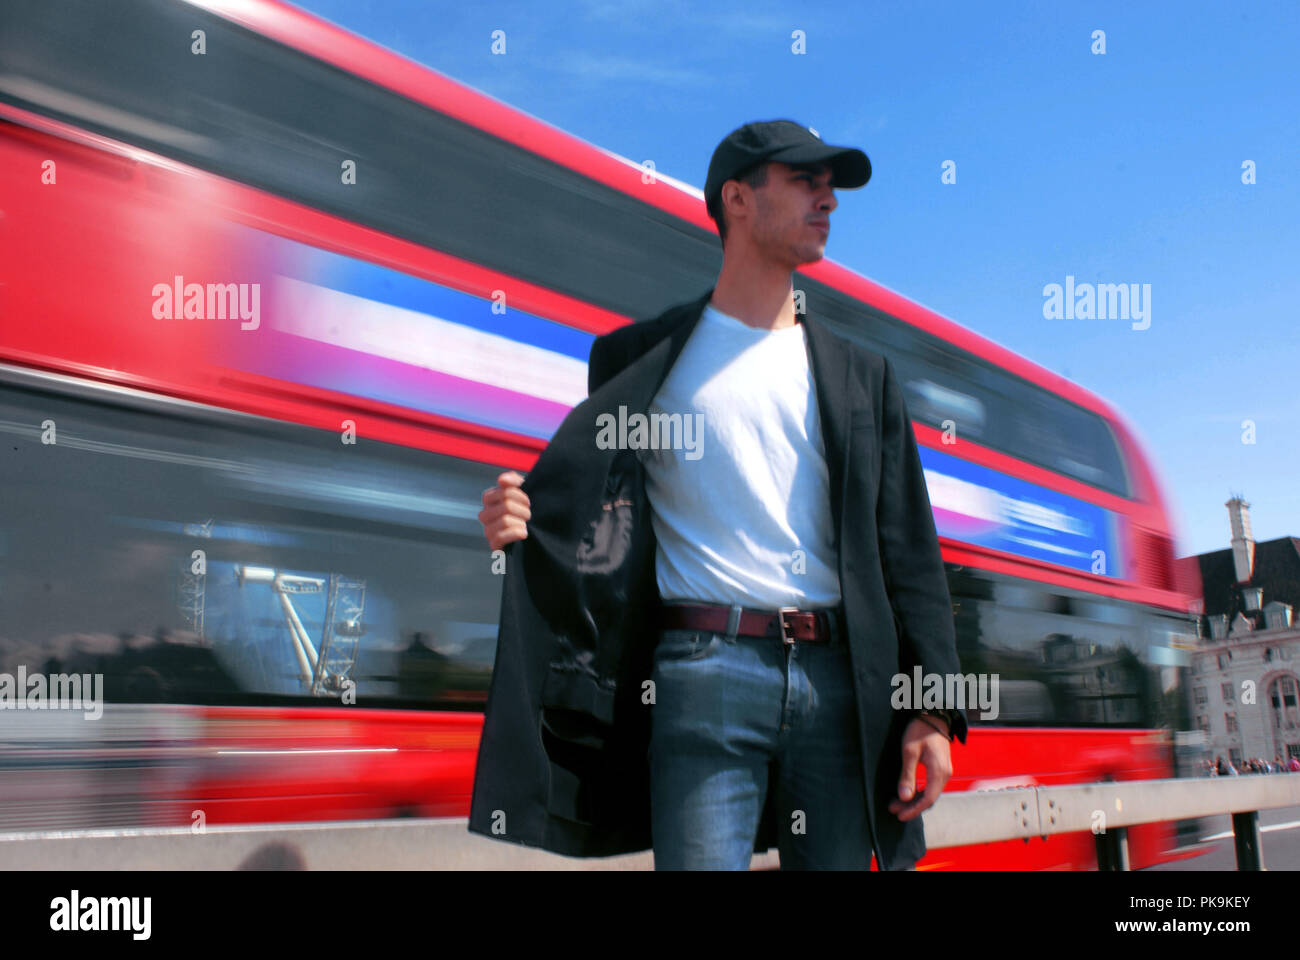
x,y
562,763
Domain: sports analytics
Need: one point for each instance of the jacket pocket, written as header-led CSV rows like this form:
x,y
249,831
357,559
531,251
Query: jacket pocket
x,y
571,690
604,549
614,566
574,727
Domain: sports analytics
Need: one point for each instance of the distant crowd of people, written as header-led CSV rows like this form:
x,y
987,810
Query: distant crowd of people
x,y
1218,767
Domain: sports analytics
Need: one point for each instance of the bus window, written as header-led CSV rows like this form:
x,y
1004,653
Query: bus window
x,y
224,559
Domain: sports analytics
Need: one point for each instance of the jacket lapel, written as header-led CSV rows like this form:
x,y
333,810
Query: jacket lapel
x,y
654,366
829,361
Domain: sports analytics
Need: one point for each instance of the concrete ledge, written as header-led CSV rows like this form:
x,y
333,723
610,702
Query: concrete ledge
x,y
408,844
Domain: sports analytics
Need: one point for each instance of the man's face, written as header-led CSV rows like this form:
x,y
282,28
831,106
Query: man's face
x,y
792,212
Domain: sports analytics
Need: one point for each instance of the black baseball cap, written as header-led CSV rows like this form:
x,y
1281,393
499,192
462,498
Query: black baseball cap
x,y
785,142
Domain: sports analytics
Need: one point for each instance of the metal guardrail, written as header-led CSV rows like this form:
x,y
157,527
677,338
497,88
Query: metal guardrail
x,y
958,819
1108,809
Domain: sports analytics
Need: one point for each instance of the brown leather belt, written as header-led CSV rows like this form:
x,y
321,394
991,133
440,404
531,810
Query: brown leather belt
x,y
790,624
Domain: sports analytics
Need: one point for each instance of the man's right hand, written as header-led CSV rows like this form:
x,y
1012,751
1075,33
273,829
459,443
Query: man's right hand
x,y
505,511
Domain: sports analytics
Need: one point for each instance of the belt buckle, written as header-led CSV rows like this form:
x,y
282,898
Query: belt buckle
x,y
780,616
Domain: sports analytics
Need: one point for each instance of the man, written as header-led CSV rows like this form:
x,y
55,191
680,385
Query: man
x,y
698,638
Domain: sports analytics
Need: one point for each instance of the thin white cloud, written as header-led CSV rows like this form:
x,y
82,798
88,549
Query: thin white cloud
x,y
677,16
614,68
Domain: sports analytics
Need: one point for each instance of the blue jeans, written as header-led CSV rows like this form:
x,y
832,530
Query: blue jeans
x,y
735,716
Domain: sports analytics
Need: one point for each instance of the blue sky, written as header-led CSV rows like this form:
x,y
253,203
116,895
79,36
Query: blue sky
x,y
1117,168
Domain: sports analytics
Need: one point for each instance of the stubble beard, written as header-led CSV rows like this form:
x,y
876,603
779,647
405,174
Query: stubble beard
x,y
792,253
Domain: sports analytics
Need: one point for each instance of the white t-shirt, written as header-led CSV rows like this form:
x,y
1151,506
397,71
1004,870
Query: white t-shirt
x,y
742,511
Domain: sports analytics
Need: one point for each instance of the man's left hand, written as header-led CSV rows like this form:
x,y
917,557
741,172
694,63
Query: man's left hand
x,y
924,744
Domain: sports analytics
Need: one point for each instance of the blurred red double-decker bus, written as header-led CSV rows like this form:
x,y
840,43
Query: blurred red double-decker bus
x,y
277,305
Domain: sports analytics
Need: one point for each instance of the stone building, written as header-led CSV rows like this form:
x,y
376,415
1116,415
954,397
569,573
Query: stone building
x,y
1245,676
